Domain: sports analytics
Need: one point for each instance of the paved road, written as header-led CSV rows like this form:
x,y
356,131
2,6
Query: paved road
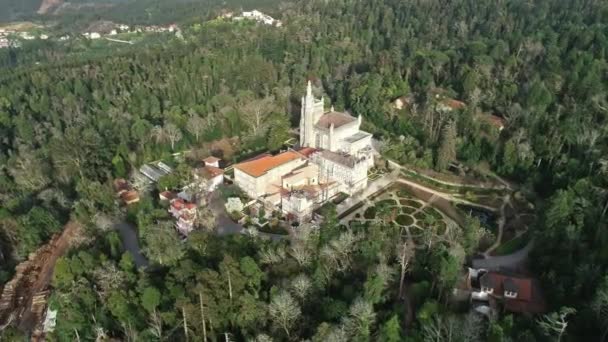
x,y
128,235
512,261
501,225
225,225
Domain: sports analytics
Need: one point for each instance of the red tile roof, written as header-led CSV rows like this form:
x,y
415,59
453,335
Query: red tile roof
x,y
495,121
211,159
210,172
523,285
130,197
180,204
120,184
454,104
529,295
177,203
307,151
258,167
167,195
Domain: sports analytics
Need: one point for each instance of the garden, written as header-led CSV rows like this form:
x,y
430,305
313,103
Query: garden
x,y
400,208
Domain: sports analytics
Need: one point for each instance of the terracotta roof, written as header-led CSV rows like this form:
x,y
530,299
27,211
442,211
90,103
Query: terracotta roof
x,y
495,120
180,204
130,196
120,184
258,167
211,159
499,282
177,203
167,194
454,104
307,151
210,172
259,156
337,118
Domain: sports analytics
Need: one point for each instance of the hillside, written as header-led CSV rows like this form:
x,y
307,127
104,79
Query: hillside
x,y
13,10
48,5
513,90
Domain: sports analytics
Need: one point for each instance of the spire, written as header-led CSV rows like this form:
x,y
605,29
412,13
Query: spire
x,y
332,108
309,89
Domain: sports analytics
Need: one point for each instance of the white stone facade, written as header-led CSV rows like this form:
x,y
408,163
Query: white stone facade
x,y
337,158
264,177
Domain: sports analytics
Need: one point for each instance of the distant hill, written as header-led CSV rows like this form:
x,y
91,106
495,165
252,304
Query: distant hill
x,y
17,9
48,5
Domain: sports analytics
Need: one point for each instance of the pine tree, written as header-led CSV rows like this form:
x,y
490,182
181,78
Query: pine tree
x,y
447,149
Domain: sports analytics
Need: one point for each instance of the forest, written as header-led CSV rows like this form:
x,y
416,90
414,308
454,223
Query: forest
x,y
69,126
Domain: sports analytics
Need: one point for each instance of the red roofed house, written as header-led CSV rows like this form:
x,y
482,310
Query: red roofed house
x,y
185,213
261,177
495,121
130,197
209,176
403,102
517,293
448,105
120,186
166,195
212,161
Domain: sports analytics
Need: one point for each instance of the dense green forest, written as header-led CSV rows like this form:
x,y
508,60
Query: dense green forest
x,y
68,126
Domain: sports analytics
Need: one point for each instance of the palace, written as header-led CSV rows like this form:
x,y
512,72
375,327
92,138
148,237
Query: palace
x,y
334,156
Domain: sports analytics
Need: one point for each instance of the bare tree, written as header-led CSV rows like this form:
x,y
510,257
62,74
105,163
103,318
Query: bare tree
x,y
300,253
300,286
206,218
555,323
256,111
156,325
406,254
343,247
196,126
158,134
361,317
202,307
263,338
173,133
29,171
284,311
272,255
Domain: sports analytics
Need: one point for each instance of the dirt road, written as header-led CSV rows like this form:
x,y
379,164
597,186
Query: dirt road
x,y
23,300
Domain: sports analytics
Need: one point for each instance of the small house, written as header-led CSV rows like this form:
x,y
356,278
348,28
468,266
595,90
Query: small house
x,y
495,121
517,293
166,196
130,197
210,176
121,186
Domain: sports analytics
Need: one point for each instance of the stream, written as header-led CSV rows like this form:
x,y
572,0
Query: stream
x,y
128,235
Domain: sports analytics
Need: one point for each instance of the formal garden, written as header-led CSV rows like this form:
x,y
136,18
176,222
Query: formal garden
x,y
399,207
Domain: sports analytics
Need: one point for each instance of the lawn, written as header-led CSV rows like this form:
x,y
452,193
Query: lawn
x,y
404,220
512,245
370,213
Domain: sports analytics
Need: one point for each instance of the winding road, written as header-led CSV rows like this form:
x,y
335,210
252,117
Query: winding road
x,y
128,235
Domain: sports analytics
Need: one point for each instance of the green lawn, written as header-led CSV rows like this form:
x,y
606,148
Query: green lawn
x,y
512,245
